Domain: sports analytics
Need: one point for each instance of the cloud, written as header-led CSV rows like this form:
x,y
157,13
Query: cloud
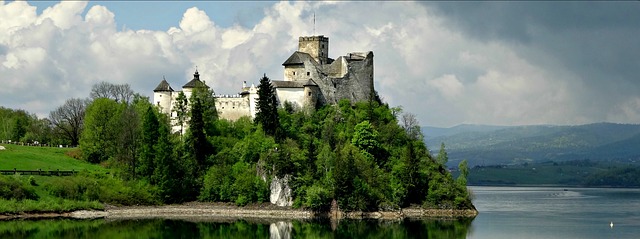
x,y
449,63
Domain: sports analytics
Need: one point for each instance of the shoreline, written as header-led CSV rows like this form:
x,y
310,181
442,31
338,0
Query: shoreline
x,y
230,211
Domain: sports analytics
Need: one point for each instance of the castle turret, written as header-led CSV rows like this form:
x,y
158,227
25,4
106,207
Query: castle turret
x,y
162,96
194,83
316,46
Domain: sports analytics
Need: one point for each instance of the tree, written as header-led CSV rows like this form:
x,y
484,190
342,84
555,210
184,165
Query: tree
x,y
181,109
198,147
20,124
98,139
150,134
127,140
119,93
68,119
365,137
267,107
464,173
167,175
411,126
209,111
442,157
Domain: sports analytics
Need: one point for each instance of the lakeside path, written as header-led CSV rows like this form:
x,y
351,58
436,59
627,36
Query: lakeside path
x,y
229,210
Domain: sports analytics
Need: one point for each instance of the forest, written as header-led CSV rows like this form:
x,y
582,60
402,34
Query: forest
x,y
365,156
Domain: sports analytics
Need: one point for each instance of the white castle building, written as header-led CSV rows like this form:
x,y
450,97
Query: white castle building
x,y
310,79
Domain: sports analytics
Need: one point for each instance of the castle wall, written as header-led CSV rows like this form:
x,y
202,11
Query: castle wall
x,y
232,108
295,73
356,85
294,95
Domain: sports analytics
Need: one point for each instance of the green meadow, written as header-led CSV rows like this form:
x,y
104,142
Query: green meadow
x,y
44,158
90,189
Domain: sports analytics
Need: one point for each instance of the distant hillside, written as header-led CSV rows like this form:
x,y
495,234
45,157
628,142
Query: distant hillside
x,y
490,145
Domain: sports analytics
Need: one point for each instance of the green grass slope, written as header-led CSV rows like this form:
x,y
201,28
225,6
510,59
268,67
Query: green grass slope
x,y
34,158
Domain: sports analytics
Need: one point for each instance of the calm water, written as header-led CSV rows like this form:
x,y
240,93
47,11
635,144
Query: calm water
x,y
534,212
505,212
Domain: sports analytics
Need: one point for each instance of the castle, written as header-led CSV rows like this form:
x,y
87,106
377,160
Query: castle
x,y
310,79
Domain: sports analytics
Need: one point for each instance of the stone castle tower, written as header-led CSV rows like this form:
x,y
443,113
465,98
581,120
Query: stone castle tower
x,y
325,80
310,79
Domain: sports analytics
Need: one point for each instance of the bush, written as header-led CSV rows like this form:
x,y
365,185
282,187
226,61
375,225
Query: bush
x,y
32,181
104,189
75,153
13,188
317,198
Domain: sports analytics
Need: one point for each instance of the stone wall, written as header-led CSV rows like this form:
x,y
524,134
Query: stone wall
x,y
356,85
232,108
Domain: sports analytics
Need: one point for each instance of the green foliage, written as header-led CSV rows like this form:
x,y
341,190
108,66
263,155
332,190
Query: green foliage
x,y
32,181
463,167
317,198
12,188
237,183
617,177
180,108
106,189
197,147
150,135
267,107
442,157
355,153
20,126
99,135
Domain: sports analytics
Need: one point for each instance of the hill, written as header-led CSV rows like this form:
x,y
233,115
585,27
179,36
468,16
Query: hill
x,y
493,145
45,158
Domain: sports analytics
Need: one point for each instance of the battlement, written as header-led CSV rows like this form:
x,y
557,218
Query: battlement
x,y
316,46
320,38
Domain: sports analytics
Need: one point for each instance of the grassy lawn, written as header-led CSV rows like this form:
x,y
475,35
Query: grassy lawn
x,y
45,158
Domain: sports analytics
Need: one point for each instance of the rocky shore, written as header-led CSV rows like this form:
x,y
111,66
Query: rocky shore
x,y
227,210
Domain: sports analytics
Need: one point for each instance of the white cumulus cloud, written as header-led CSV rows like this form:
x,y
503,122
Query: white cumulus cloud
x,y
422,63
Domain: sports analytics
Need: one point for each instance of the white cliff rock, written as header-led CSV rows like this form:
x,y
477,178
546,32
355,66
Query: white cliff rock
x,y
280,191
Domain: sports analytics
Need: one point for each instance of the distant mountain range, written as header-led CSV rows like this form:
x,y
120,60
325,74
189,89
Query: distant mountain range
x,y
491,145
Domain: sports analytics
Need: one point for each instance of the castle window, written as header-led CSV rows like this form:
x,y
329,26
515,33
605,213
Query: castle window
x,y
322,46
309,93
308,73
294,73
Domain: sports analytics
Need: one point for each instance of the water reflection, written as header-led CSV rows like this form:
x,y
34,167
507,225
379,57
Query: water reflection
x,y
233,228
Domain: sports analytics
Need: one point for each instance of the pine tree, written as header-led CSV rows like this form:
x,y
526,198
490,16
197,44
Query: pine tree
x,y
150,134
180,107
267,107
198,147
442,157
166,174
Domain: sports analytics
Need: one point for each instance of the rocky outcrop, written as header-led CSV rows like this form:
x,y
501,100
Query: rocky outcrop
x,y
280,191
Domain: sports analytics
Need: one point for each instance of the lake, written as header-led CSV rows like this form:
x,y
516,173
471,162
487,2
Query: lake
x,y
539,212
505,212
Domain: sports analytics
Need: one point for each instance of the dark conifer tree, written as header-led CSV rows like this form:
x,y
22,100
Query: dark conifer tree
x,y
267,107
150,127
198,147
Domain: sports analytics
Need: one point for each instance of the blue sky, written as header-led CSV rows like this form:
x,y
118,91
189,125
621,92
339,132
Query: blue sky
x,y
160,15
449,63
